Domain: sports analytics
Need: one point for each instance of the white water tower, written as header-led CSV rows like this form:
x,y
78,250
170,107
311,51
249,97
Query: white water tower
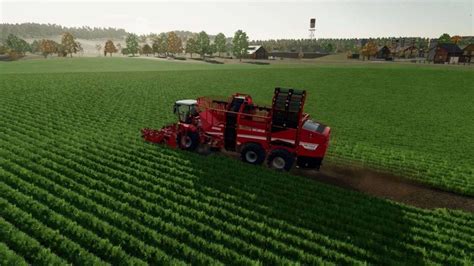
x,y
312,27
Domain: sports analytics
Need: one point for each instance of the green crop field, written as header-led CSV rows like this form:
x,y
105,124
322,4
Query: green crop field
x,y
78,185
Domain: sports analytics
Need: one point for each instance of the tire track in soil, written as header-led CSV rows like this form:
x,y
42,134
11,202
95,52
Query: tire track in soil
x,y
381,185
388,186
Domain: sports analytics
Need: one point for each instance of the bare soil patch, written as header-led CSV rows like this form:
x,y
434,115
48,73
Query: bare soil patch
x,y
388,186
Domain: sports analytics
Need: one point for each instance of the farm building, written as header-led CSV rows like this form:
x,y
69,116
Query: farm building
x,y
410,51
384,53
421,52
468,52
305,55
353,56
445,53
257,52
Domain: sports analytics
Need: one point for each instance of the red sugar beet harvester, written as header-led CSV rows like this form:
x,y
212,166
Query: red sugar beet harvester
x,y
281,134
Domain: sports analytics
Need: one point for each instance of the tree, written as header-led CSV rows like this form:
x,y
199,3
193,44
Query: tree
x,y
328,47
132,43
456,39
160,44
98,47
146,49
3,49
175,45
240,44
191,46
370,49
35,46
445,38
48,47
221,43
212,49
60,50
109,48
142,38
69,45
17,45
202,44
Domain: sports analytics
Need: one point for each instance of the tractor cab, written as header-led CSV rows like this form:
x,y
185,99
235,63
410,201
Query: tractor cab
x,y
185,110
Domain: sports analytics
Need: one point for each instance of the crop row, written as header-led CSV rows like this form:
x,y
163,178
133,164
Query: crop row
x,y
27,246
9,257
124,102
78,185
107,161
128,148
414,165
148,206
135,152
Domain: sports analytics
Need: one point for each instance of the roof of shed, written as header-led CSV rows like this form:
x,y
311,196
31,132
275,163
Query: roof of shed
x,y
450,47
253,48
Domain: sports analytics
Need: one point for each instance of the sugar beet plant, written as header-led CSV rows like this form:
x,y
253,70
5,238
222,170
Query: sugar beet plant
x,y
78,185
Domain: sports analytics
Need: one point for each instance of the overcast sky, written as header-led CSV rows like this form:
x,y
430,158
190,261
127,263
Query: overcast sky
x,y
260,19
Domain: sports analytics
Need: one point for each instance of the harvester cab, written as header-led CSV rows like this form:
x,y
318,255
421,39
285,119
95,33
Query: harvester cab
x,y
185,110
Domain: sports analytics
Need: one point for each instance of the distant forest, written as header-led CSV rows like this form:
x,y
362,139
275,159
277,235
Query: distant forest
x,y
39,31
36,30
347,45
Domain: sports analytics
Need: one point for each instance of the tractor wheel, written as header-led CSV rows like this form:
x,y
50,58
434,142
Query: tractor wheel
x,y
188,141
253,153
280,159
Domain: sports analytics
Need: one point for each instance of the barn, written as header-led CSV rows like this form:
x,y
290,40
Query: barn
x,y
468,53
410,51
256,52
445,53
384,53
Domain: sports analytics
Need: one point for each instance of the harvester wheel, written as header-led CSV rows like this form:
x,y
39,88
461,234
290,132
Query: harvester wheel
x,y
188,141
253,153
280,159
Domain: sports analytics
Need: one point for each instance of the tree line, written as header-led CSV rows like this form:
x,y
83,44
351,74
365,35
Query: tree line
x,y
37,30
170,44
16,47
347,45
173,43
331,45
163,44
336,45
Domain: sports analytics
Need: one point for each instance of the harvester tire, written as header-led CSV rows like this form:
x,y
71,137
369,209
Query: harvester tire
x,y
188,141
280,159
253,153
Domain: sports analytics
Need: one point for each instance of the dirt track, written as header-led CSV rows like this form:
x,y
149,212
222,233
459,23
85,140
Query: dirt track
x,y
382,185
389,186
